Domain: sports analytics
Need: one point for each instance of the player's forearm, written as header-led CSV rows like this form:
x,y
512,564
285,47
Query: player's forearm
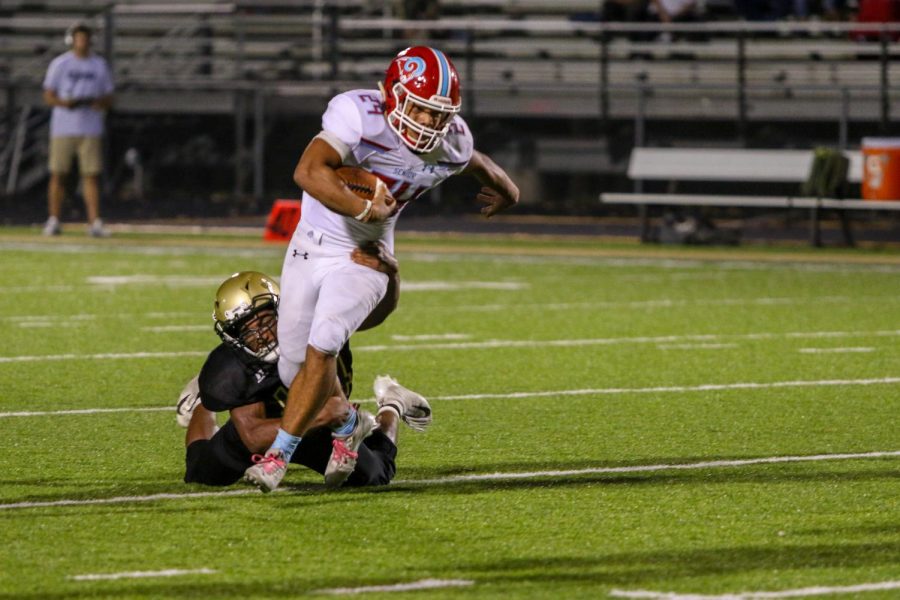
x,y
51,99
322,183
103,103
255,430
490,174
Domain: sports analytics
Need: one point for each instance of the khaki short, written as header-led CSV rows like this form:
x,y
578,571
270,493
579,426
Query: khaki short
x,y
64,149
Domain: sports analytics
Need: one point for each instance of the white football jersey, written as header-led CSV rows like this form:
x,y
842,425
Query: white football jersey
x,y
355,125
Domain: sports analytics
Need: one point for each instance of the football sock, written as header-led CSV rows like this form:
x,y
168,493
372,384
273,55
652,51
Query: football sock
x,y
287,443
348,426
392,407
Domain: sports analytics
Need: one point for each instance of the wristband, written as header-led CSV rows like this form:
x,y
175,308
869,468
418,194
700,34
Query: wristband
x,y
365,213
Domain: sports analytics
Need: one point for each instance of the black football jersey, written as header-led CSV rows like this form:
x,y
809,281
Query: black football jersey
x,y
231,379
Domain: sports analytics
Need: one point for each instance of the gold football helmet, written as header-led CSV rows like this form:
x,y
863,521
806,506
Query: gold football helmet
x,y
245,313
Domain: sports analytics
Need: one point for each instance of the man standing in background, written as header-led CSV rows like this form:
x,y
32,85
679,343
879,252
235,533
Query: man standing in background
x,y
79,87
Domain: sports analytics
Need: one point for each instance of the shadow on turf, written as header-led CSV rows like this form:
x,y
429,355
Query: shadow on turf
x,y
621,569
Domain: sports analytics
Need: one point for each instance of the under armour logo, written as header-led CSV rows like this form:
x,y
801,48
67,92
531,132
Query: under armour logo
x,y
297,253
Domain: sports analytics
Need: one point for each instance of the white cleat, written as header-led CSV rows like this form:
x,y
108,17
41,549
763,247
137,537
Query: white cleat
x,y
344,450
409,406
97,230
188,400
52,227
268,470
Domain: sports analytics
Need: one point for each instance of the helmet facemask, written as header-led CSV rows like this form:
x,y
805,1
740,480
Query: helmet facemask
x,y
254,333
245,315
420,138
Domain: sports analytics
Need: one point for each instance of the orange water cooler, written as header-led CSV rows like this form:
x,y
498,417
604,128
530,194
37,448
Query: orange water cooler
x,y
881,168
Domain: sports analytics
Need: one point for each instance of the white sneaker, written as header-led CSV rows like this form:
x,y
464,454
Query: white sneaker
x,y
268,470
188,400
344,450
97,229
409,406
52,227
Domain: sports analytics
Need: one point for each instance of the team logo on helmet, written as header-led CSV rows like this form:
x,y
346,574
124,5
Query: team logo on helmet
x,y
413,66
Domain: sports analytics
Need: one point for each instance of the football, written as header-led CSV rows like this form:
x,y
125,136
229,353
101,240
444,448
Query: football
x,y
361,182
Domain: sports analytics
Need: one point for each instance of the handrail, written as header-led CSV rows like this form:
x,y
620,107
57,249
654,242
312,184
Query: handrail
x,y
564,26
205,8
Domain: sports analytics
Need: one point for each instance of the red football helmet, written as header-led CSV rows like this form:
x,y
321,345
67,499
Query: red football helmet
x,y
421,78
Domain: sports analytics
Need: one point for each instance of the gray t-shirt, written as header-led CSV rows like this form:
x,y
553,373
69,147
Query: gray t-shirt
x,y
73,78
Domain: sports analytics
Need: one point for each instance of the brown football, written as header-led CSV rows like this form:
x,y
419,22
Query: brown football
x,y
361,182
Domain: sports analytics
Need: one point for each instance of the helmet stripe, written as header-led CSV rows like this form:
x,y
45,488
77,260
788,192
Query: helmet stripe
x,y
445,72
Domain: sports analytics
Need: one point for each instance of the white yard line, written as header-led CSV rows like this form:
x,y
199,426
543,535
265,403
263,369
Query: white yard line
x,y
177,328
676,389
58,318
207,280
141,574
696,346
652,303
429,337
451,286
49,324
850,350
83,411
169,280
795,593
631,262
422,584
662,339
591,258
706,387
128,499
714,464
108,356
663,303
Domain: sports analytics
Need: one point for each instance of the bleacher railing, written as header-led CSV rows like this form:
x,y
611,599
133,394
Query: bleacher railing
x,y
531,68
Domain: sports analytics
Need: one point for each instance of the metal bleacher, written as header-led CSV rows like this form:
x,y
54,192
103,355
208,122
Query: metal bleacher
x,y
519,59
510,48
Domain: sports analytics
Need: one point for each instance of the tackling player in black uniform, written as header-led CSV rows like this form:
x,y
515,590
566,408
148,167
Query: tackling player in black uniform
x,y
241,376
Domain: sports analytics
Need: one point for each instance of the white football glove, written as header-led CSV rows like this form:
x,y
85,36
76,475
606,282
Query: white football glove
x,y
188,400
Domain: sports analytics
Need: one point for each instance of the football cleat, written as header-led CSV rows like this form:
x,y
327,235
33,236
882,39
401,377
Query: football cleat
x,y
52,227
409,406
344,450
188,400
267,471
97,230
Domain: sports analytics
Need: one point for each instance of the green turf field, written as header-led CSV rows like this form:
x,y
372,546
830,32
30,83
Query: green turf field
x,y
610,421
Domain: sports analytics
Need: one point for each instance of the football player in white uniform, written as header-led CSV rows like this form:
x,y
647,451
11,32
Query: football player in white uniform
x,y
409,133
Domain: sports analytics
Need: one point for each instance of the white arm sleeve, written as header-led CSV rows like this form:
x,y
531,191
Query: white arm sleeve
x,y
333,141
